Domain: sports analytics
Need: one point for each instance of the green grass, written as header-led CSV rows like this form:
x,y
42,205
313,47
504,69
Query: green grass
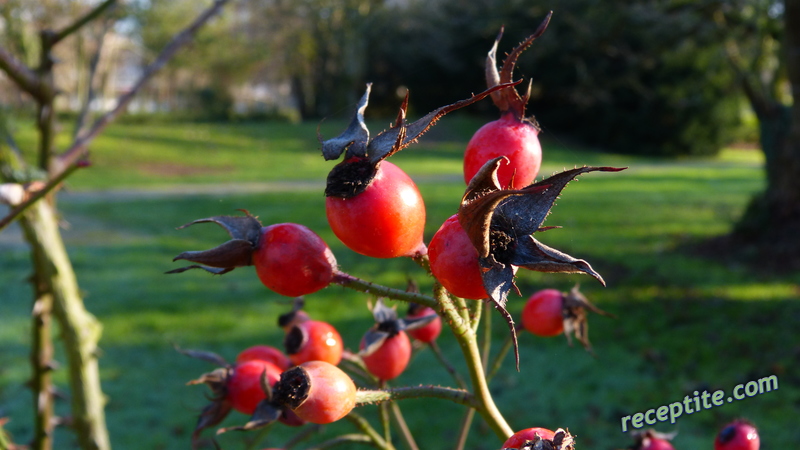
x,y
684,323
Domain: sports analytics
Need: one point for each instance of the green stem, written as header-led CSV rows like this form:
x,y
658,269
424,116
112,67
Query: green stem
x,y
498,359
468,342
460,396
360,285
383,414
363,425
465,426
401,423
343,439
449,367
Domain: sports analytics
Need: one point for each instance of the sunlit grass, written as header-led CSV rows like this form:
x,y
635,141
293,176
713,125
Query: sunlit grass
x,y
684,322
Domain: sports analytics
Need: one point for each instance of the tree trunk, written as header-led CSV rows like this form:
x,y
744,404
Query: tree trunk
x,y
80,331
770,223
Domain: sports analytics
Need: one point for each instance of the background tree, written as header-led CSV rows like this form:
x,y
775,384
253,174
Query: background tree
x,y
55,285
763,44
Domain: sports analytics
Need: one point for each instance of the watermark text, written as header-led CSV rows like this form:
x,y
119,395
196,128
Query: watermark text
x,y
698,402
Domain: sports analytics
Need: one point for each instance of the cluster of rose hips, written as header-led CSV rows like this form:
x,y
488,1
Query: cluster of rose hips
x,y
737,435
304,384
375,209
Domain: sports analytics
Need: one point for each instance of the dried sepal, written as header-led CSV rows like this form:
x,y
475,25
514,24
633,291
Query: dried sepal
x,y
574,311
643,438
353,139
266,413
388,324
562,440
363,154
238,227
500,223
245,232
211,415
204,355
509,99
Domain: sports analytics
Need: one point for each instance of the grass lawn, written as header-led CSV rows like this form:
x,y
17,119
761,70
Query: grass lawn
x,y
684,323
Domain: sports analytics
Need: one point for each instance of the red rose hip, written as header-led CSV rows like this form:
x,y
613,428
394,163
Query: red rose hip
x,y
292,260
317,392
542,314
386,220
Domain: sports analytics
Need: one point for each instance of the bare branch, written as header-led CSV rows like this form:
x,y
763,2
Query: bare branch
x,y
38,195
78,148
78,24
25,78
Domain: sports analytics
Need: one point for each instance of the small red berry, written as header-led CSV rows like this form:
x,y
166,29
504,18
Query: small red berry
x,y
738,435
454,261
542,314
657,444
509,136
244,389
292,260
317,392
264,353
521,437
313,340
386,220
429,332
390,359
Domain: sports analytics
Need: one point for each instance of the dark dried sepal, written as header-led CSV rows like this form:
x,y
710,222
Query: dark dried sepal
x,y
204,355
532,254
500,223
359,149
509,99
562,440
231,254
643,438
480,201
575,317
265,414
245,232
211,270
295,339
354,139
373,340
388,324
213,414
246,227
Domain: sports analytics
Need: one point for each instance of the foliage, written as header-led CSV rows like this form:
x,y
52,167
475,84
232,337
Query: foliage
x,y
638,77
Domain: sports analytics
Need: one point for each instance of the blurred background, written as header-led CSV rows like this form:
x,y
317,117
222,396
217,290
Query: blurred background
x,y
675,90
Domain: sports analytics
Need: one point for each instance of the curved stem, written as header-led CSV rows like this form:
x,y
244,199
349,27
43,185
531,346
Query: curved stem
x,y
360,285
467,340
449,367
401,423
364,426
